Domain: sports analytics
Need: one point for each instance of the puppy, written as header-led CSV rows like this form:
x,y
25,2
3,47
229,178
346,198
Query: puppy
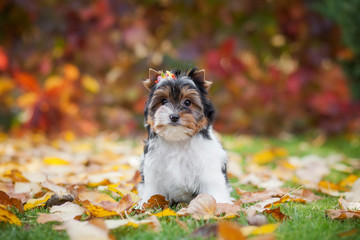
x,y
182,157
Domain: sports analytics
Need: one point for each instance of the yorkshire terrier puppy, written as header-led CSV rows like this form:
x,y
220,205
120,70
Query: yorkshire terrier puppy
x,y
182,157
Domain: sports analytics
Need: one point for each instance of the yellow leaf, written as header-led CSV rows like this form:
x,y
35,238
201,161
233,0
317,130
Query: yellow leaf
x,y
97,211
280,152
31,203
55,161
265,229
7,216
349,181
263,157
90,84
165,212
123,192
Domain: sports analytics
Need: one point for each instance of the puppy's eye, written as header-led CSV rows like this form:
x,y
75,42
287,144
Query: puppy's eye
x,y
164,101
187,102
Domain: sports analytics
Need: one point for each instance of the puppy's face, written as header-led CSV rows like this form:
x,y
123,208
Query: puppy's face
x,y
177,108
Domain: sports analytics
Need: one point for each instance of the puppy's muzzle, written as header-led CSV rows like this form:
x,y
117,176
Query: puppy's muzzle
x,y
174,117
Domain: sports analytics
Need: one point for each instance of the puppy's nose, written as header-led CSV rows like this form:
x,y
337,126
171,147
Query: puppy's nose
x,y
174,117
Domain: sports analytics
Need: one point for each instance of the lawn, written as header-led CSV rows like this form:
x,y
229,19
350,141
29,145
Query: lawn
x,y
257,155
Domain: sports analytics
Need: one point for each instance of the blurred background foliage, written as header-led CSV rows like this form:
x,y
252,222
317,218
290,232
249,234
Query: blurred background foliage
x,y
277,65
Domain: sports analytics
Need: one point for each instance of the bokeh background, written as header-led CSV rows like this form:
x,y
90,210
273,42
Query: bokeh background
x,y
277,65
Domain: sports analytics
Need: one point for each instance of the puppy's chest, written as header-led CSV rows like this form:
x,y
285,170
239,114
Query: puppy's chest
x,y
176,165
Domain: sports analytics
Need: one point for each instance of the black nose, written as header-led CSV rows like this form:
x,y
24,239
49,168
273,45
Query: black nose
x,y
174,117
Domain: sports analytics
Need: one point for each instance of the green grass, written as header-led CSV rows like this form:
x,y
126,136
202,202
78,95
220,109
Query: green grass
x,y
307,221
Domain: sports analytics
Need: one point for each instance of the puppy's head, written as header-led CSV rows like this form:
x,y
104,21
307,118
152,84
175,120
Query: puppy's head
x,y
178,107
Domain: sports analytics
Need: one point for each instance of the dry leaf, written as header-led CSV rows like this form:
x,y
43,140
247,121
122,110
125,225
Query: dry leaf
x,y
85,230
227,208
348,205
151,221
7,216
206,231
277,214
342,214
31,203
156,201
8,201
201,207
230,231
62,213
123,192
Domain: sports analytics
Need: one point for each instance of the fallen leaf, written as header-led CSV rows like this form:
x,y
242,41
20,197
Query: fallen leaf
x,y
156,201
78,230
98,211
277,214
151,221
7,216
206,231
230,231
165,212
55,161
227,208
62,213
123,192
348,205
342,214
265,229
8,201
37,202
354,194
16,176
201,207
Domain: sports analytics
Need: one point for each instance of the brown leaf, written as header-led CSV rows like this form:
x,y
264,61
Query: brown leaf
x,y
156,201
230,231
342,214
201,207
124,204
16,176
227,208
277,214
206,231
8,201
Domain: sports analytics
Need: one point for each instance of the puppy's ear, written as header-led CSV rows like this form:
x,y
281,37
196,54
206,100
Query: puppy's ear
x,y
149,83
200,76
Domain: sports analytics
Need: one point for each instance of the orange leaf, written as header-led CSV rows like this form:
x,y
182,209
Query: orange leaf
x,y
26,81
156,201
277,214
230,231
7,201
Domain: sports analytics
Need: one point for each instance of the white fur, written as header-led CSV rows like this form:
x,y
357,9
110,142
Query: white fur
x,y
177,169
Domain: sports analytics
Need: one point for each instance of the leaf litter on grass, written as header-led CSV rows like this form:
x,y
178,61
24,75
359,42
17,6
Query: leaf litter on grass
x,y
98,177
